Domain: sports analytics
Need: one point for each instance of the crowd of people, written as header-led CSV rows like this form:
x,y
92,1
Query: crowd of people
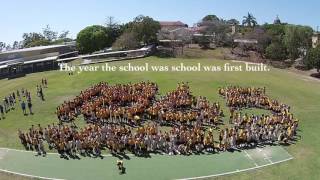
x,y
115,114
23,98
131,103
90,140
279,126
104,102
180,107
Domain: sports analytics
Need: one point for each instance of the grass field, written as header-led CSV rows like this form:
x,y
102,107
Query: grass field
x,y
303,94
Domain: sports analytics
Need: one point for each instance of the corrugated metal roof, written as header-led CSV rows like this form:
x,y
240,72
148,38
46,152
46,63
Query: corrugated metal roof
x,y
32,49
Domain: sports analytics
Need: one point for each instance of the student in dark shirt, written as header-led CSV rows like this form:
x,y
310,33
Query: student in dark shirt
x,y
1,112
23,107
30,107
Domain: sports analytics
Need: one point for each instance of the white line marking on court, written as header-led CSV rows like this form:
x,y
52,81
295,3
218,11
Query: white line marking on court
x,y
28,175
233,172
267,158
248,155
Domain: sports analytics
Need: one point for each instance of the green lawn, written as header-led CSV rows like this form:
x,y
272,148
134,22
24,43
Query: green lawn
x,y
302,94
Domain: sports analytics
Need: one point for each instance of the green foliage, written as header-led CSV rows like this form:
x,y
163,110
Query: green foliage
x,y
114,30
275,31
47,37
145,28
276,51
218,27
233,21
249,20
49,34
312,59
210,18
297,38
93,38
204,42
127,40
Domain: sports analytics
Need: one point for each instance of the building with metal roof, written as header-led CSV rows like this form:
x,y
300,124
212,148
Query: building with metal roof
x,y
19,62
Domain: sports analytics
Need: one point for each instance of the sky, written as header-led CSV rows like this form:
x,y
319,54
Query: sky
x,y
20,16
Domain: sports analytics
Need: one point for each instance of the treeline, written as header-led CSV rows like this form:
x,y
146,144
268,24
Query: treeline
x,y
141,31
278,41
32,39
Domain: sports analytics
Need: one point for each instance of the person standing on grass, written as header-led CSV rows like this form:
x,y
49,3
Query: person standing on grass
x,y
23,107
5,104
41,93
30,107
14,97
45,83
1,112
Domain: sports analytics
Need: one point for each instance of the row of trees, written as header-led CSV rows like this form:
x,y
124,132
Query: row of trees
x,y
142,30
277,41
46,37
32,39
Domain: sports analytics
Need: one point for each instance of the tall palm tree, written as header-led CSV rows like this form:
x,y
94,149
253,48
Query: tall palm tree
x,y
249,20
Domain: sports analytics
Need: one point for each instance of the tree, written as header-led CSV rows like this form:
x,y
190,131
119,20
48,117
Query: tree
x,y
145,28
34,39
233,22
312,59
48,34
15,45
275,31
276,51
217,28
210,18
249,20
127,40
8,47
297,39
2,46
93,38
63,35
113,28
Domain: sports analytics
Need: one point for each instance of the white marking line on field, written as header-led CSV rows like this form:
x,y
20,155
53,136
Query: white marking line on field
x,y
28,175
266,157
236,171
248,155
287,153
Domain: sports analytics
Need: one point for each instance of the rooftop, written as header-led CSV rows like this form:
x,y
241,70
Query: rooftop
x,y
172,23
32,49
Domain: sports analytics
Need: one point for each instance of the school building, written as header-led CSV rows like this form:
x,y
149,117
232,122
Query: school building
x,y
17,63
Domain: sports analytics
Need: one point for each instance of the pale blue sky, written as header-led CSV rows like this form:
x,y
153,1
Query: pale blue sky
x,y
19,16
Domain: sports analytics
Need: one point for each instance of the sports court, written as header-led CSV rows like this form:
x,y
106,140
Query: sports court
x,y
176,167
